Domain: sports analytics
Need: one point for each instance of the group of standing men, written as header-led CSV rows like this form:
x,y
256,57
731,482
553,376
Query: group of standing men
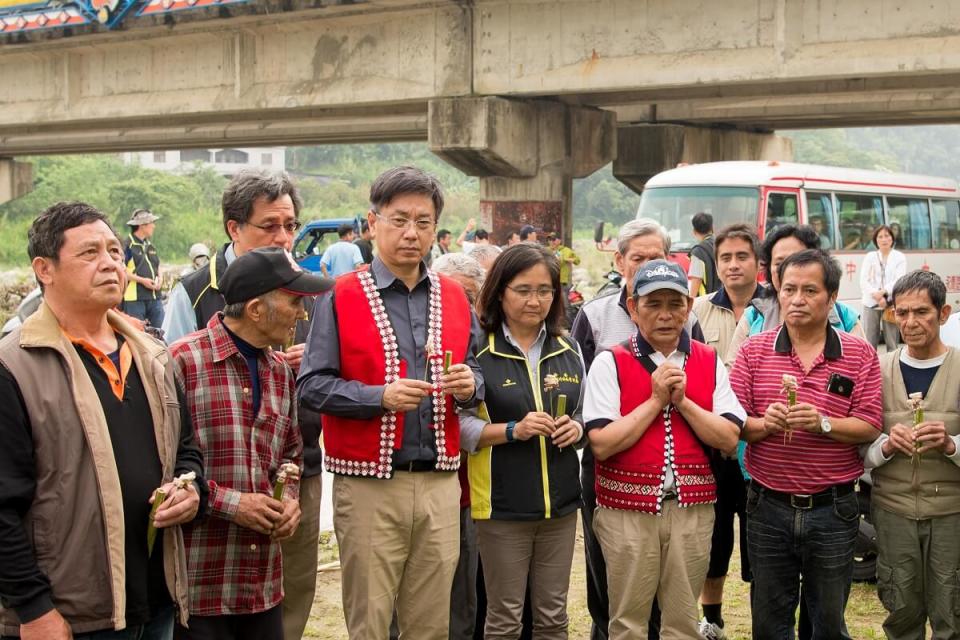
x,y
222,430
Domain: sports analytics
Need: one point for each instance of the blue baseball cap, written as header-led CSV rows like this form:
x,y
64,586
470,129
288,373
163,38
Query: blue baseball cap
x,y
660,274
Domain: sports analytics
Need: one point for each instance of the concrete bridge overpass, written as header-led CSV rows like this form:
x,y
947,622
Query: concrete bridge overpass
x,y
526,94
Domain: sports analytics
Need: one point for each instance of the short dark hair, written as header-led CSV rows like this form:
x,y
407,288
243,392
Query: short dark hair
x,y
920,280
443,233
251,184
481,234
405,180
888,229
513,261
364,226
45,237
526,230
802,232
702,222
831,268
344,230
738,232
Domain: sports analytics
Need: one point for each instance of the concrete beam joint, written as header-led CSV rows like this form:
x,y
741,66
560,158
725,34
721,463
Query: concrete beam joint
x,y
486,136
16,179
645,150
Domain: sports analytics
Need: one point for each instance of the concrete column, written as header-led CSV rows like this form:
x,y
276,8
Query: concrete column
x,y
645,150
16,179
526,154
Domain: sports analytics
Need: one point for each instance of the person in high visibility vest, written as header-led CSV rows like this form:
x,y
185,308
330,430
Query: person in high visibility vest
x,y
142,299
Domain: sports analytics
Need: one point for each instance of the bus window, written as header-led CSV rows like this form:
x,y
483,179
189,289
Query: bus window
x,y
820,216
859,216
674,207
910,220
781,210
946,224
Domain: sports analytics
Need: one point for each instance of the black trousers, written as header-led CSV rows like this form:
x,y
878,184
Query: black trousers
x,y
266,625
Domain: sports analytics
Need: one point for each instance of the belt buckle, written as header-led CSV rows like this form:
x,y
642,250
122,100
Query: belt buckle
x,y
801,501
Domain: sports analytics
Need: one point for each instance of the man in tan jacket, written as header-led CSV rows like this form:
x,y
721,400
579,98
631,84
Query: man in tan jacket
x,y
92,423
916,468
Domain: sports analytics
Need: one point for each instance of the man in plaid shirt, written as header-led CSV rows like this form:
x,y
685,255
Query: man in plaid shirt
x,y
241,395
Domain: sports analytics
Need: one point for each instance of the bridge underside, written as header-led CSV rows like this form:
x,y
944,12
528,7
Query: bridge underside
x,y
330,71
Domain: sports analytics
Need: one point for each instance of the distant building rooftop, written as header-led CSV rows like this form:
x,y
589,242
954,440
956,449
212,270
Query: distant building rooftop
x,y
227,162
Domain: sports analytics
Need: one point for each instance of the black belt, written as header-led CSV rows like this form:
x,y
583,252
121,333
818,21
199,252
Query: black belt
x,y
806,500
415,466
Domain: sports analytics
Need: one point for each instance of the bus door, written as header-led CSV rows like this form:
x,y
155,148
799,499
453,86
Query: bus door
x,y
780,207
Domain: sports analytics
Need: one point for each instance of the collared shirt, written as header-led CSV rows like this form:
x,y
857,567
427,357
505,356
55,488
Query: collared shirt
x,y
471,424
809,462
341,257
235,570
717,319
322,389
179,318
602,400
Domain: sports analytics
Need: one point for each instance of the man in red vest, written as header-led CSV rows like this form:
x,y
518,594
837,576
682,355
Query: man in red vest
x,y
375,368
652,405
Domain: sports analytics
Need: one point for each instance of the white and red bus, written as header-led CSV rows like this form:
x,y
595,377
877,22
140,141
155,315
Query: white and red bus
x,y
844,205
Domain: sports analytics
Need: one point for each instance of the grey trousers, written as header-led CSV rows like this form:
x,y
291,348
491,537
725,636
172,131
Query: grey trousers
x,y
918,575
874,327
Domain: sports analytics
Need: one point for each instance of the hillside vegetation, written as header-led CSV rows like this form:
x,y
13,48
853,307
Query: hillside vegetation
x,y
334,181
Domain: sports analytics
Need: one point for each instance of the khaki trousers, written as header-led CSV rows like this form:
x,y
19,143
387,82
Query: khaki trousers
x,y
664,556
399,544
300,561
918,575
510,551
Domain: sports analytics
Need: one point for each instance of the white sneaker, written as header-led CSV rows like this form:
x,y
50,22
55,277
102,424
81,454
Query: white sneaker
x,y
711,631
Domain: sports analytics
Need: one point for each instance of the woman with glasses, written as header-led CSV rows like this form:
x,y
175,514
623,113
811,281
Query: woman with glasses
x,y
523,468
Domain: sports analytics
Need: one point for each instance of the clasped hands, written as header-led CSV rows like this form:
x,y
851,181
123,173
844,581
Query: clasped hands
x,y
406,394
802,416
562,431
932,436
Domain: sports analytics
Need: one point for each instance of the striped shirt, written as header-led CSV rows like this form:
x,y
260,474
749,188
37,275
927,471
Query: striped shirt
x,y
810,462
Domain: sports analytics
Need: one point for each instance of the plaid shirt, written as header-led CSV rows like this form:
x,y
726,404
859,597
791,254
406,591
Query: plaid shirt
x,y
232,569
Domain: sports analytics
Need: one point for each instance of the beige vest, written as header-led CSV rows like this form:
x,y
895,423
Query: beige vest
x,y
717,323
933,488
75,523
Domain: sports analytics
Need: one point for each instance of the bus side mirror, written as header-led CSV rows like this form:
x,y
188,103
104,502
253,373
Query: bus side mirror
x,y
598,233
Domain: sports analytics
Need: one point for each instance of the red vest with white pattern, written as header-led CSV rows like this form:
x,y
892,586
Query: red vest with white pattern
x,y
633,479
364,447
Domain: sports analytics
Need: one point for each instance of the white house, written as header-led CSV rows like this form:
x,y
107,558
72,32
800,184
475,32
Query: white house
x,y
226,162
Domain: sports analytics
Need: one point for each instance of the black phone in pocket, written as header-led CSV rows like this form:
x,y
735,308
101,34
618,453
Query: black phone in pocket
x,y
840,385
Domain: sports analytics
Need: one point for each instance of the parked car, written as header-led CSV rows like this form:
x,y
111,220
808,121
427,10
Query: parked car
x,y
314,238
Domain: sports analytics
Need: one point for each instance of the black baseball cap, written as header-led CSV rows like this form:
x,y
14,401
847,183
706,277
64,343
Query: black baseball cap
x,y
264,270
660,274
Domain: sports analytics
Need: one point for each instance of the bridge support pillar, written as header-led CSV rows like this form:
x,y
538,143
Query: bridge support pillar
x,y
645,150
16,179
526,154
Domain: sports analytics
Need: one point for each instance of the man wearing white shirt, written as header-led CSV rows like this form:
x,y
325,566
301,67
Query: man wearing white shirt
x,y
878,274
916,469
652,405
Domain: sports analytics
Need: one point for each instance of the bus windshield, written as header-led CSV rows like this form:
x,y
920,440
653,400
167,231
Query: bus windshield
x,y
673,207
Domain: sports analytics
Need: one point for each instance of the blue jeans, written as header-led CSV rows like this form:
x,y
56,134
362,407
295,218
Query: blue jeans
x,y
158,628
787,544
148,310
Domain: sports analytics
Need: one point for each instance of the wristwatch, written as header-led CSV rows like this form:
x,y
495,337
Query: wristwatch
x,y
825,426
509,431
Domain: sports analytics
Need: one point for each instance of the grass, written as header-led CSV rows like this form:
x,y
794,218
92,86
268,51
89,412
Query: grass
x,y
864,611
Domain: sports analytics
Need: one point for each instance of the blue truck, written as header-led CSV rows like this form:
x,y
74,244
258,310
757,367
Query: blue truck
x,y
314,238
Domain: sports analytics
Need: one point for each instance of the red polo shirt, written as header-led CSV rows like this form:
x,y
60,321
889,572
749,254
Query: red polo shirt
x,y
810,462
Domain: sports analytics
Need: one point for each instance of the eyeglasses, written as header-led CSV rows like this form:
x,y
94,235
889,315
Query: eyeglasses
x,y
543,293
275,227
400,223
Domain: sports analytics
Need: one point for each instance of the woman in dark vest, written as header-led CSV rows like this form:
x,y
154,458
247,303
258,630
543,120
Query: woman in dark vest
x,y
524,470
